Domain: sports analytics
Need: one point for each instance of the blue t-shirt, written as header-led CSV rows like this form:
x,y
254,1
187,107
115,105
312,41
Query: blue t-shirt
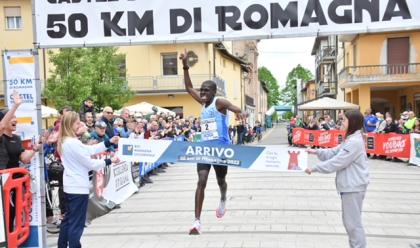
x,y
372,120
222,122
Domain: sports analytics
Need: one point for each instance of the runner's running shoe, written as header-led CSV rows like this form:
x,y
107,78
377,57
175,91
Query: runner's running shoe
x,y
221,210
196,228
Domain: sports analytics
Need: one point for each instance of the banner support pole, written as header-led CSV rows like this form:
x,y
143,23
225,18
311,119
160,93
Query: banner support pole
x,y
40,171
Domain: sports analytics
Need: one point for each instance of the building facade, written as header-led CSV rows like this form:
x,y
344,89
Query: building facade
x,y
382,71
306,92
325,52
255,106
155,74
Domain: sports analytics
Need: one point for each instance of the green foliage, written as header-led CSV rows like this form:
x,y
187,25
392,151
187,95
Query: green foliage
x,y
82,72
288,115
275,116
288,94
270,81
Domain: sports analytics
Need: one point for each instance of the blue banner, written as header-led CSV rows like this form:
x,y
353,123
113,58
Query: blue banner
x,y
271,158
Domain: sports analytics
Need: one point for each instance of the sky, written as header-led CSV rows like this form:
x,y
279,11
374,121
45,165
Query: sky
x,y
280,56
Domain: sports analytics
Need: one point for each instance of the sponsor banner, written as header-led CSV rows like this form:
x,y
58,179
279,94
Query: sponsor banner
x,y
61,23
298,136
415,149
371,143
268,158
324,139
392,144
111,185
330,138
20,76
120,185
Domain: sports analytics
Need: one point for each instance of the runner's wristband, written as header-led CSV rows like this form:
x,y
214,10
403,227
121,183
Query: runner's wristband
x,y
108,161
186,67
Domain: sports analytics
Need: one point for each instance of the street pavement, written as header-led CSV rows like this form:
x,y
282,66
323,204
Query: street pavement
x,y
265,209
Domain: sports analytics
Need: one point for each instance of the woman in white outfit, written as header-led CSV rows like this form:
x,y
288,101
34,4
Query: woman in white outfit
x,y
350,163
77,162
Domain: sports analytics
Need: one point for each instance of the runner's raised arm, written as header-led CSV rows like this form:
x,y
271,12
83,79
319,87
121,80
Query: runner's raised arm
x,y
187,80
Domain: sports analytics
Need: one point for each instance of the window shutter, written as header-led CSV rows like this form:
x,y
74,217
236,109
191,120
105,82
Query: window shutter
x,y
11,11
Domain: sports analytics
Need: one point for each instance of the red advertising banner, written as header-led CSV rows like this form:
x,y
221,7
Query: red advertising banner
x,y
324,139
330,138
298,136
391,144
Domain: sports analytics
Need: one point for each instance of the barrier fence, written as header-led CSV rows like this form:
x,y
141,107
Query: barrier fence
x,y
390,144
17,205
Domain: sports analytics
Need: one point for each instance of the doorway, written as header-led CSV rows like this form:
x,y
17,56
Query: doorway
x,y
417,104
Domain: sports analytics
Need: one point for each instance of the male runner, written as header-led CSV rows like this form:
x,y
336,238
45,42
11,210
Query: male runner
x,y
214,129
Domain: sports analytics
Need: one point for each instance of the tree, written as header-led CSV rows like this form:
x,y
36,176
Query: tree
x,y
82,72
288,115
288,94
270,81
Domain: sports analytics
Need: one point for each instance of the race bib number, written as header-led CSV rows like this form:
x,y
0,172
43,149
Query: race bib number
x,y
209,129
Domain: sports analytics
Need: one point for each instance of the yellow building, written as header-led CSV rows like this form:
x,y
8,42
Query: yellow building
x,y
154,72
382,71
255,91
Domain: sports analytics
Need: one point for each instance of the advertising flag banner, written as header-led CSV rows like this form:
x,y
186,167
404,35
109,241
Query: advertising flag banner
x,y
80,23
20,76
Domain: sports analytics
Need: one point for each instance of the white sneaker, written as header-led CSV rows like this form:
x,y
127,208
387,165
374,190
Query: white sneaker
x,y
221,210
196,228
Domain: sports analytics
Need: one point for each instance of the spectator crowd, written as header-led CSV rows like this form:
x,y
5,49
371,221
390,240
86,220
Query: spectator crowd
x,y
373,123
104,125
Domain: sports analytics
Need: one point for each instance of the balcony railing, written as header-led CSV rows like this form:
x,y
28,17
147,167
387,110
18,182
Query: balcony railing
x,y
380,73
327,89
167,84
326,54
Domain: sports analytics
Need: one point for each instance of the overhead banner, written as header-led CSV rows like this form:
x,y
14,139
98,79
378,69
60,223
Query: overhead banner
x,y
264,158
65,23
19,71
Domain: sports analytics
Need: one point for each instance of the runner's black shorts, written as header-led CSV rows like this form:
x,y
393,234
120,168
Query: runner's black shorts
x,y
220,170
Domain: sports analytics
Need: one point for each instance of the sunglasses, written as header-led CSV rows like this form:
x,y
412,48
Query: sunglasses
x,y
109,112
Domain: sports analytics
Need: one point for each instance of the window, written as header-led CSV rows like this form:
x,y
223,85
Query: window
x,y
398,55
170,64
13,17
417,104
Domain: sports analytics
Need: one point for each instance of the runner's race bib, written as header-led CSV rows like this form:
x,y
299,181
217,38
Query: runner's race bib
x,y
209,129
